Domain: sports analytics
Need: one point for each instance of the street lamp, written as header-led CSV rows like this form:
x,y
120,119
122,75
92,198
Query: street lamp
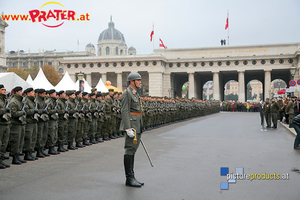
x,y
81,82
293,71
169,90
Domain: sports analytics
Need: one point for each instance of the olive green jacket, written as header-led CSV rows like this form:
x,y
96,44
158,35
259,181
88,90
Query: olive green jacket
x,y
131,102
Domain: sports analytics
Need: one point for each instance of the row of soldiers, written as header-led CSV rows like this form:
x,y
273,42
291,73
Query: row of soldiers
x,y
34,120
158,111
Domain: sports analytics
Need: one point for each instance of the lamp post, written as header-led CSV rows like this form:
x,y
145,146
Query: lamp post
x,y
81,82
293,72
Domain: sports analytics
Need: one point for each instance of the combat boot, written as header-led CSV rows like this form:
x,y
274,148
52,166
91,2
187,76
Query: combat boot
x,y
30,153
52,151
15,160
85,142
2,163
130,180
115,135
104,138
28,157
99,140
111,136
70,146
92,141
43,152
60,148
21,160
79,145
39,154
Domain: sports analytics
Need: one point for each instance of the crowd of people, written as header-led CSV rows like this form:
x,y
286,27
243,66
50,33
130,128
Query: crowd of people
x,y
33,121
236,106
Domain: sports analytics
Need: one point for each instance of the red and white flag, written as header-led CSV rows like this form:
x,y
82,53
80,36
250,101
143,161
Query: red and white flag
x,y
77,42
152,33
227,25
161,44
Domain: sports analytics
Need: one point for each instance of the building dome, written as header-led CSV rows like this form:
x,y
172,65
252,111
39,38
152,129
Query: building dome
x,y
90,45
111,33
90,48
132,48
132,51
111,42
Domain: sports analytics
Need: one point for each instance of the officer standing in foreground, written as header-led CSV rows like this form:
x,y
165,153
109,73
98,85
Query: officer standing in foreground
x,y
267,112
131,123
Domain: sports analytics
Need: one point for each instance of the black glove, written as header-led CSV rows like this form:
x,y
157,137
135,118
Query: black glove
x,y
7,109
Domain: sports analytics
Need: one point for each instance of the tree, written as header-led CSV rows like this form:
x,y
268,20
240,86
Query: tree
x,y
51,74
231,96
33,71
20,72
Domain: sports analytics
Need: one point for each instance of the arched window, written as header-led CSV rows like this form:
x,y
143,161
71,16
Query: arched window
x,y
107,50
121,52
117,50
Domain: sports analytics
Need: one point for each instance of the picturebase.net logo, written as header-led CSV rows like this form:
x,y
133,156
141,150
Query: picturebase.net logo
x,y
53,15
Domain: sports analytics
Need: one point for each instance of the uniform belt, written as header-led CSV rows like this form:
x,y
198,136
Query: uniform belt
x,y
136,113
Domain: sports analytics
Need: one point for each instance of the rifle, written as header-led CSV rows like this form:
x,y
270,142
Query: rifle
x,y
89,114
55,115
7,115
81,115
23,117
66,115
96,111
75,115
101,110
36,115
45,116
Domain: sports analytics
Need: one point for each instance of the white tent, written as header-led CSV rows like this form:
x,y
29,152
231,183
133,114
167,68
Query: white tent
x,y
101,87
11,80
29,80
66,83
41,81
87,87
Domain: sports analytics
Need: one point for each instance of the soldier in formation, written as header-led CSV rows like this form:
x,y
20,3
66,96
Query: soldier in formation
x,y
35,120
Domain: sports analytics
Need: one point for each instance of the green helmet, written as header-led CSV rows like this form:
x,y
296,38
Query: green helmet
x,y
133,76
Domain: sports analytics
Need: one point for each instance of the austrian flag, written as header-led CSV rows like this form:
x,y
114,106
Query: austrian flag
x,y
161,44
152,33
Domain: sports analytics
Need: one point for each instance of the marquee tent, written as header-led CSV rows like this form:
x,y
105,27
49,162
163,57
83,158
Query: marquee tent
x,y
87,87
29,80
41,81
66,83
101,87
11,80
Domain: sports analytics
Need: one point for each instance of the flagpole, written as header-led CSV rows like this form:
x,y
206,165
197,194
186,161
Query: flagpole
x,y
153,38
228,27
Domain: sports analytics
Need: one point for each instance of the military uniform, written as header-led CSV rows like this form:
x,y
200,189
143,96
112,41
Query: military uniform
x,y
62,122
17,130
267,112
131,112
4,127
274,113
52,123
30,128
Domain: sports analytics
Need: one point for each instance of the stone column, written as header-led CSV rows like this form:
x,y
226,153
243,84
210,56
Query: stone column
x,y
103,76
156,83
191,85
241,81
267,83
89,79
216,86
167,84
119,80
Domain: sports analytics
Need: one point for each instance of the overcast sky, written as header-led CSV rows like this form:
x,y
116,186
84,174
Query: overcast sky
x,y
179,23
